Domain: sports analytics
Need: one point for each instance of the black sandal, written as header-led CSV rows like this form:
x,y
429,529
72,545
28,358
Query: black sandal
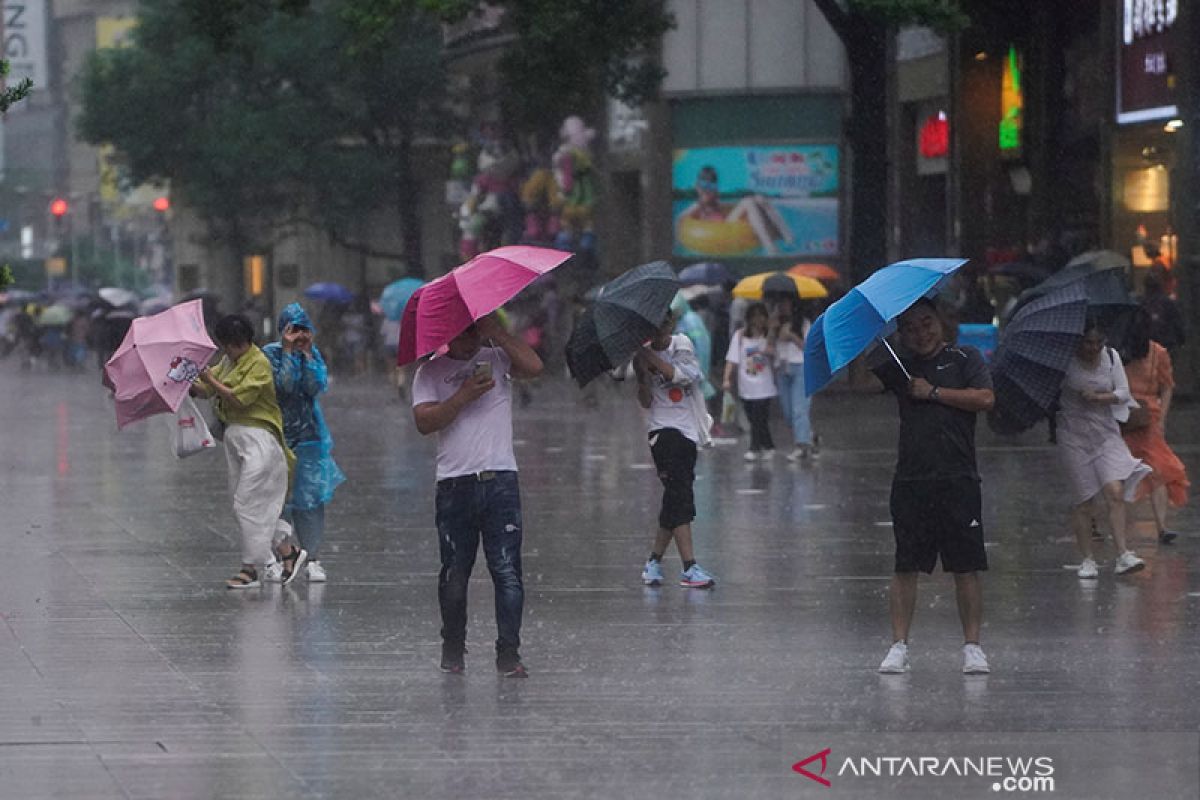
x,y
247,578
292,563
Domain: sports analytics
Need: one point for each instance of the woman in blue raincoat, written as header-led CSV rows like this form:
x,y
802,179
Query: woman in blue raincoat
x,y
300,376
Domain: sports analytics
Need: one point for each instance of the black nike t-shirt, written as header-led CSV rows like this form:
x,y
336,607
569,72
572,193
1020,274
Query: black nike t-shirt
x,y
937,441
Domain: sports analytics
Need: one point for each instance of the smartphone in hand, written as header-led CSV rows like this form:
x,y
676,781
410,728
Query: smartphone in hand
x,y
483,369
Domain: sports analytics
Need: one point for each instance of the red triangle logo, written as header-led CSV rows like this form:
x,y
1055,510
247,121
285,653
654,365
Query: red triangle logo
x,y
823,756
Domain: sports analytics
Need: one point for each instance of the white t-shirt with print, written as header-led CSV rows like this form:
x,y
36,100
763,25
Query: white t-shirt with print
x,y
789,352
480,439
672,404
755,378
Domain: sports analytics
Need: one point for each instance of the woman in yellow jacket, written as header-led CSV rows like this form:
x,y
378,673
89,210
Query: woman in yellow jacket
x,y
243,387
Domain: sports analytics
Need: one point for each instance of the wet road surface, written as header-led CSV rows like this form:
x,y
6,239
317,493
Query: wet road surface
x,y
129,671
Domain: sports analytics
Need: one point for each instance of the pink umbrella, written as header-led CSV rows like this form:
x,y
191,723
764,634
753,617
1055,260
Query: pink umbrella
x,y
445,307
156,363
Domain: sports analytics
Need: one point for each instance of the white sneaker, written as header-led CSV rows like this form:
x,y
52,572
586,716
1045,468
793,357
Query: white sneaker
x,y
799,453
751,455
316,573
974,661
1088,569
297,565
273,571
1128,562
896,660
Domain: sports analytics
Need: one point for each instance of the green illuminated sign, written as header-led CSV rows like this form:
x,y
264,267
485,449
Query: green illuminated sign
x,y
1012,101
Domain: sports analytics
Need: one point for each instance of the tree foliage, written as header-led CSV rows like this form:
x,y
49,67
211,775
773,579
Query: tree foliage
x,y
941,15
11,95
264,114
563,56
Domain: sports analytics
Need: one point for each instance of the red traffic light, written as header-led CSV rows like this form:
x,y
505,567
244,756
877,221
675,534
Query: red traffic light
x,y
162,204
58,207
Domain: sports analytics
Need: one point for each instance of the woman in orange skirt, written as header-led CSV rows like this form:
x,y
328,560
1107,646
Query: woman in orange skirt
x,y
1152,383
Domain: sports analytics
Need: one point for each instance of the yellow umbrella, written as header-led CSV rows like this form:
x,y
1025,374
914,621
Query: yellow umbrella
x,y
752,288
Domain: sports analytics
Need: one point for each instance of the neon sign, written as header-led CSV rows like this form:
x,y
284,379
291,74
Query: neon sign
x,y
1012,103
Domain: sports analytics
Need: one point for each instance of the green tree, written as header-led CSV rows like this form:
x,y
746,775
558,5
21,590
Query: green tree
x,y
864,28
264,116
564,57
11,95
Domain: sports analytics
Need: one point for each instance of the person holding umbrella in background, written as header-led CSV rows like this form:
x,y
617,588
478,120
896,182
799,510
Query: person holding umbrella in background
x,y
300,377
259,462
749,358
791,328
629,310
1095,397
669,379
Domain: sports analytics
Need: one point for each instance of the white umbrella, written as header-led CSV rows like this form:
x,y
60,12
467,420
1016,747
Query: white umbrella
x,y
118,297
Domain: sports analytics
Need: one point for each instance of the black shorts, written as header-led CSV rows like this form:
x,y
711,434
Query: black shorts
x,y
675,459
938,517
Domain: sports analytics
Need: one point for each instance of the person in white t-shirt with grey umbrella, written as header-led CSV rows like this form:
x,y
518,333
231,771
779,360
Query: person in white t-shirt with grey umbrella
x,y
669,388
465,397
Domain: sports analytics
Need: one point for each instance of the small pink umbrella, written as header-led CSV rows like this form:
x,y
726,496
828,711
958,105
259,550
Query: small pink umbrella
x,y
156,363
445,307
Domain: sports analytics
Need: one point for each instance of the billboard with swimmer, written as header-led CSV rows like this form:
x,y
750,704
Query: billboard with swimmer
x,y
769,201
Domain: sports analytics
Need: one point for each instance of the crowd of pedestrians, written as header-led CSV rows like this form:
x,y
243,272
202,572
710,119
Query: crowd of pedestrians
x,y
1110,424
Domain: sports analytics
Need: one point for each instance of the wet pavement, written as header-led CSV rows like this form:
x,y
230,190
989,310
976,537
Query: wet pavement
x,y
128,671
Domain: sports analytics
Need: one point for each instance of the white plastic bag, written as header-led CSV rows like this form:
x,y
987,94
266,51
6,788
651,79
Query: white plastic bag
x,y
191,431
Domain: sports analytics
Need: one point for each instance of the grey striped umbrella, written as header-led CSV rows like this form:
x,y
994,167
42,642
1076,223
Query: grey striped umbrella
x,y
1032,357
626,312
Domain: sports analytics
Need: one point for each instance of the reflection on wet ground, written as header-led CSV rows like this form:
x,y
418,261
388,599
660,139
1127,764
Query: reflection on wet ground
x,y
129,671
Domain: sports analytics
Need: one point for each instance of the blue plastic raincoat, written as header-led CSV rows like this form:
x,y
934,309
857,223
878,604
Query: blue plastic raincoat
x,y
298,381
692,326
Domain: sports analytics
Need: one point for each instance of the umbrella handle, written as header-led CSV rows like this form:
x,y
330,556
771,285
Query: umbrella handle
x,y
898,362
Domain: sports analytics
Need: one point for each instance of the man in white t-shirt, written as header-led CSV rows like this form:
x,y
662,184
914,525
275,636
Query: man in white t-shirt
x,y
465,397
669,378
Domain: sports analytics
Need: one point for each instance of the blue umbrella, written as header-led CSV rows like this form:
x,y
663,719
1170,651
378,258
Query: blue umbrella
x,y
706,273
329,293
396,296
867,314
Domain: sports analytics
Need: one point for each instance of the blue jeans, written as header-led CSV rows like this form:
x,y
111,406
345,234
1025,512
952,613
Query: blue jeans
x,y
795,403
469,508
310,528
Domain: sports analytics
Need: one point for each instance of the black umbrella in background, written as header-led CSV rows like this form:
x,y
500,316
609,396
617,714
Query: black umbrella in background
x,y
625,313
1033,354
1102,272
1019,270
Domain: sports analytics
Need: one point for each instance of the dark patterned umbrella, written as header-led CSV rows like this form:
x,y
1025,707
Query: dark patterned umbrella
x,y
626,312
1102,274
1035,348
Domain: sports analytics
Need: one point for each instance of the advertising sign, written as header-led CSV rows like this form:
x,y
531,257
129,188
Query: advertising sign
x,y
756,201
1148,49
25,41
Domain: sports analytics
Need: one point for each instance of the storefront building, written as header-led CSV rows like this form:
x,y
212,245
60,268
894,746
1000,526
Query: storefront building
x,y
921,184
745,159
1149,162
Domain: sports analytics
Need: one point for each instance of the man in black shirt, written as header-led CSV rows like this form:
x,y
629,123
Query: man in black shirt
x,y
935,503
